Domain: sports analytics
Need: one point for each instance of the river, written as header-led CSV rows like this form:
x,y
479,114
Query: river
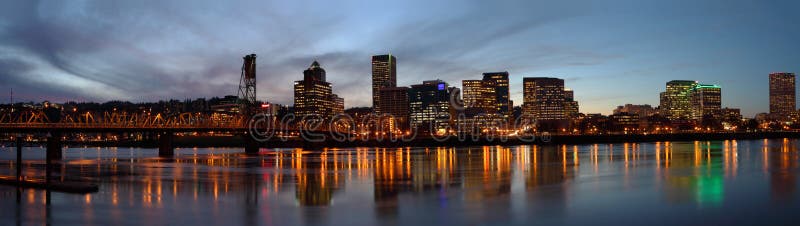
x,y
749,182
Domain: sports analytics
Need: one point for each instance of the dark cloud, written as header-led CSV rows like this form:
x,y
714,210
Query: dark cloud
x,y
149,50
154,50
11,68
14,75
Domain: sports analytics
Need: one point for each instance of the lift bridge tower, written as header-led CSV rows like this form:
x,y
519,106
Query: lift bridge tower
x,y
247,86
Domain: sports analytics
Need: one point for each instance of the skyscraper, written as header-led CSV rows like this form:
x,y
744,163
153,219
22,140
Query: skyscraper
x,y
543,98
384,74
478,97
498,82
781,95
429,105
676,101
706,100
314,72
313,95
571,108
394,102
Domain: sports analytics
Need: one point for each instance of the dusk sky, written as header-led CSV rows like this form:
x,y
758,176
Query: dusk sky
x,y
610,52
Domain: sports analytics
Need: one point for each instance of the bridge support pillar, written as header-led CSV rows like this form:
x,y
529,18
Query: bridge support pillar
x,y
165,147
251,145
54,152
19,159
54,147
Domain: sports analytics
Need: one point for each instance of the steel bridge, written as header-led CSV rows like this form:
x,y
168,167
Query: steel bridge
x,y
37,118
58,122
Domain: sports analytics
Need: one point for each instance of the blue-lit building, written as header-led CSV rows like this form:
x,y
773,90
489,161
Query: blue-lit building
x,y
430,106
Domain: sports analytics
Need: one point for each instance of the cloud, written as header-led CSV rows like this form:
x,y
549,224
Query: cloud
x,y
150,50
145,51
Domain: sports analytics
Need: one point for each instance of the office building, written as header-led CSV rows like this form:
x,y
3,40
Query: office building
x,y
624,122
706,100
571,108
676,101
394,104
314,96
429,106
543,98
384,75
479,97
782,95
337,104
497,82
644,110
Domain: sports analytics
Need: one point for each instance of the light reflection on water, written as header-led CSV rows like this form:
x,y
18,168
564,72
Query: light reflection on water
x,y
745,182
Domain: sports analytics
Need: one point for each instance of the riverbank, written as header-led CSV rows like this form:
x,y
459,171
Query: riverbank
x,y
238,141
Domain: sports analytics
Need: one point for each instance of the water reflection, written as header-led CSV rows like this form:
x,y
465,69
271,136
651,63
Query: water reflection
x,y
696,175
781,161
367,186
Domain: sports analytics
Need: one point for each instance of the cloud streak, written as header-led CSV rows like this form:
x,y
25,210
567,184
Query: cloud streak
x,y
151,50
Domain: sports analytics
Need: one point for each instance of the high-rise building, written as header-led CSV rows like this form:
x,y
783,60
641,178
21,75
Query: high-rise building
x,y
782,95
706,100
337,104
394,103
543,98
571,108
676,101
384,74
429,105
569,95
498,82
314,72
313,95
478,97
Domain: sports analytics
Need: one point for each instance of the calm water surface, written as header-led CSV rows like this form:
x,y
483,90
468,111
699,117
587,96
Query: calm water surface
x,y
745,182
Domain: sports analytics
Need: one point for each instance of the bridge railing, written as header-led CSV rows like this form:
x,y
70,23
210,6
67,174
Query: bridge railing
x,y
113,126
32,118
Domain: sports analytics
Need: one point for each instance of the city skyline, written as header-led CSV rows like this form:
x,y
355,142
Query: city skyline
x,y
410,112
72,52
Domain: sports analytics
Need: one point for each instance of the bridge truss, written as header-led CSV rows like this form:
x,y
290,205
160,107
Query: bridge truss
x,y
89,119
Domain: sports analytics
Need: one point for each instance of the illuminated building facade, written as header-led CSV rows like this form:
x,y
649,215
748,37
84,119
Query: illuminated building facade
x,y
228,104
731,114
731,118
429,105
571,108
624,122
543,98
782,95
337,104
313,95
676,101
478,96
643,110
384,75
706,100
497,82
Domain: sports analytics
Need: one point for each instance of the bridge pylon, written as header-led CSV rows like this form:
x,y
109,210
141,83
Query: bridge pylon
x,y
165,146
247,86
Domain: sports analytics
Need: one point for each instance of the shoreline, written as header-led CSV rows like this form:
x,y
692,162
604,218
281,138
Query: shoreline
x,y
238,141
